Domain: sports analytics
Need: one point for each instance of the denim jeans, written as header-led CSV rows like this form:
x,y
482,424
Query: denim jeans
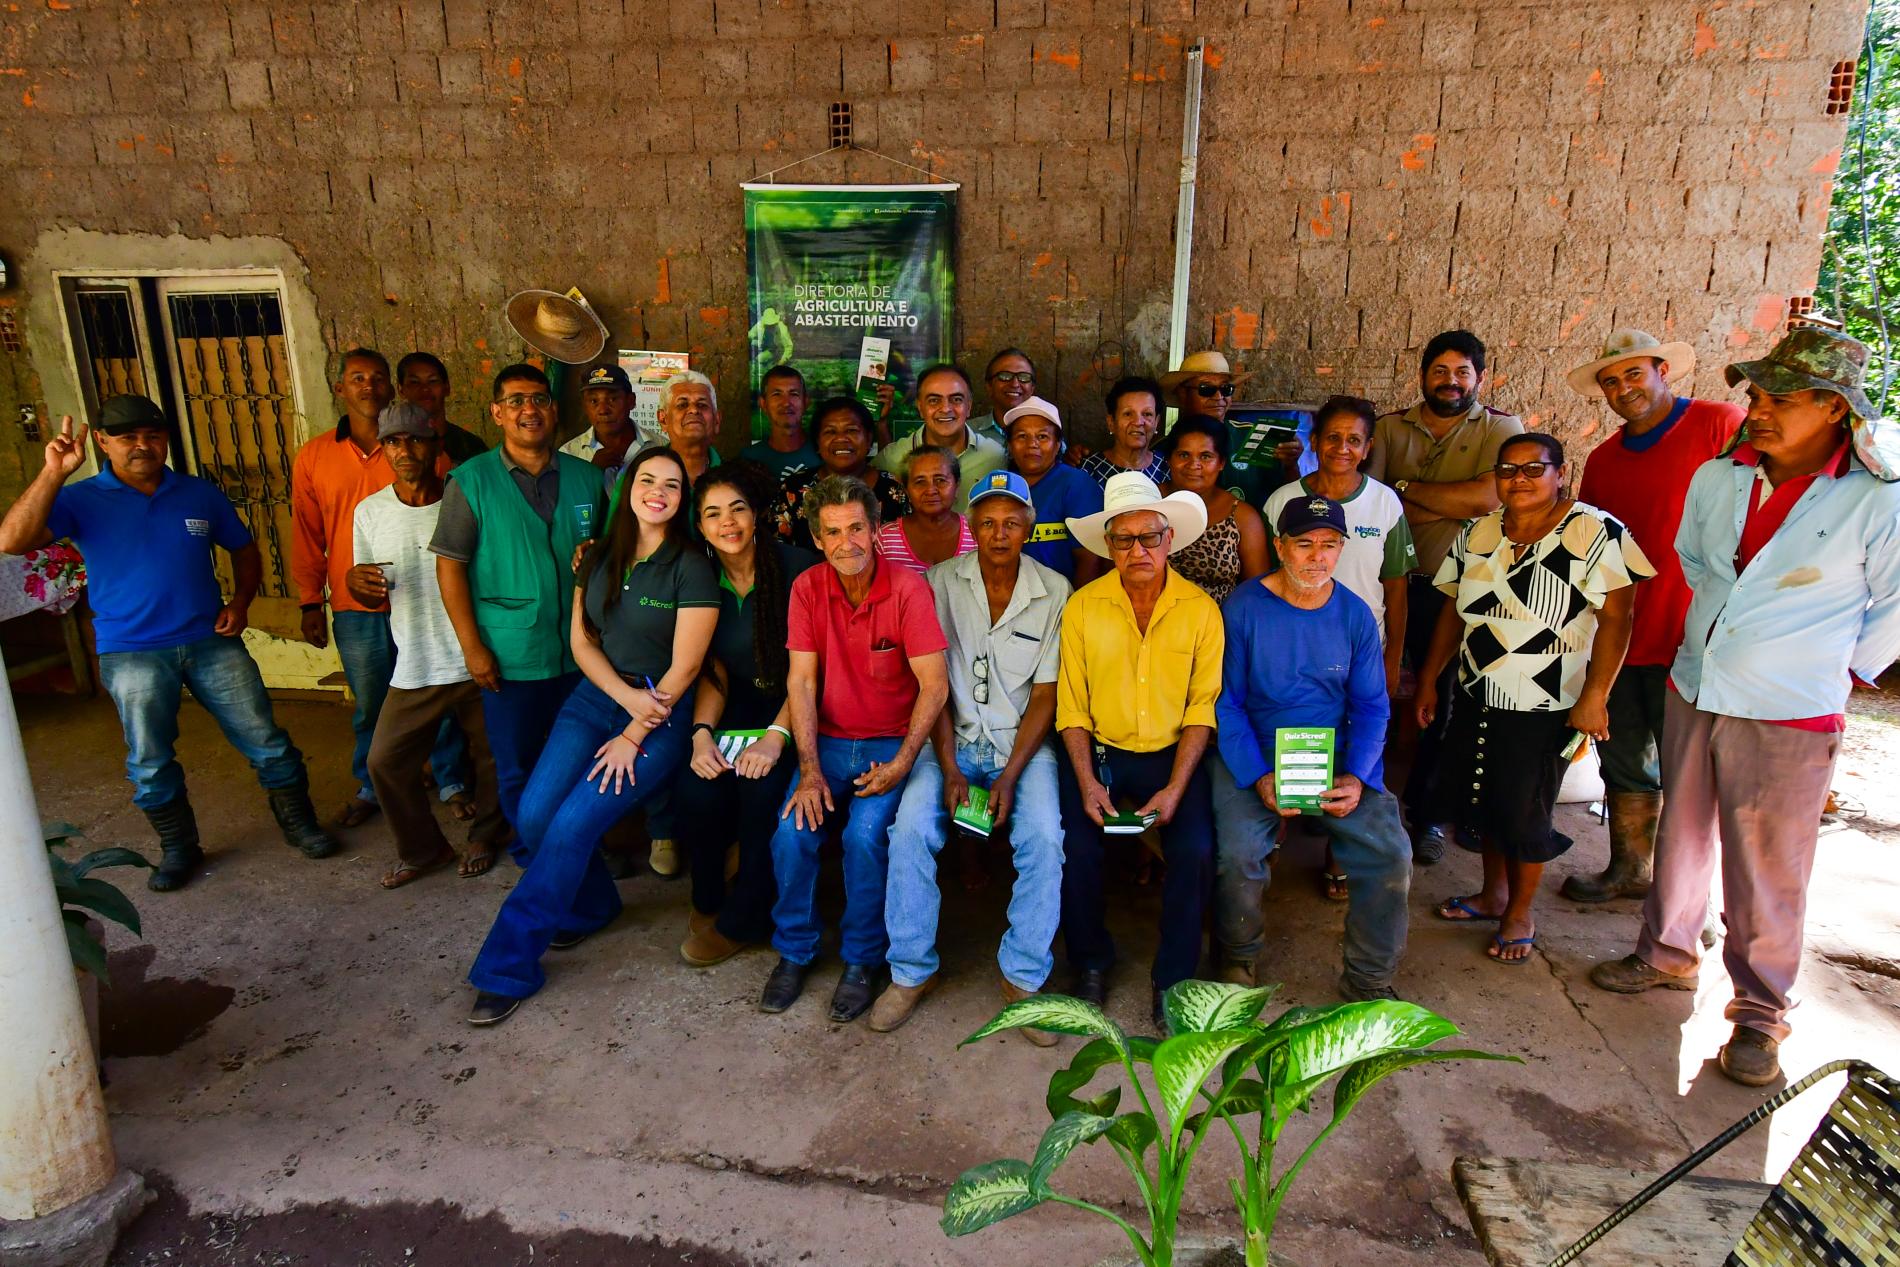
x,y
146,687
1187,845
368,652
518,718
911,896
565,887
1630,757
867,830
1370,846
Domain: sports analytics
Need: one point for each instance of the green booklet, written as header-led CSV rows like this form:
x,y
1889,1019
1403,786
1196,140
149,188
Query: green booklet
x,y
1302,767
733,742
974,814
1261,440
1129,824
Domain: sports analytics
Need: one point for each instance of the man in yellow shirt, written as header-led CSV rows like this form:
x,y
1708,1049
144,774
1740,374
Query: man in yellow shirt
x,y
1141,658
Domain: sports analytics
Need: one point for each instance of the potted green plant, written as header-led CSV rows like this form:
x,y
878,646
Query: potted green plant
x,y
80,898
1268,1071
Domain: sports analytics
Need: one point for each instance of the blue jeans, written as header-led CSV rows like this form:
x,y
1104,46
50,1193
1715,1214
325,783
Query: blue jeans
x,y
368,652
867,830
911,896
566,888
1370,846
518,718
146,687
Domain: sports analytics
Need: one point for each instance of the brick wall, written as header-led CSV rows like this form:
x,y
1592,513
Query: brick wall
x,y
1372,170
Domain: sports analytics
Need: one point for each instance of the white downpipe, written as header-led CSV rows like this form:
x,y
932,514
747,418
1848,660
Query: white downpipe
x,y
54,1145
1184,213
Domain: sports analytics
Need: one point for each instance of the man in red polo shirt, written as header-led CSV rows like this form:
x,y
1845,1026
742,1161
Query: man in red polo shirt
x,y
1641,475
867,681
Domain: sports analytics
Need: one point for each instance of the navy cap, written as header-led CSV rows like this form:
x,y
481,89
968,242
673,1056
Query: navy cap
x,y
1002,484
608,376
130,412
1303,514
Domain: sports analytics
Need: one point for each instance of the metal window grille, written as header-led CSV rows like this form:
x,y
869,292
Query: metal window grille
x,y
111,343
239,411
840,123
1840,88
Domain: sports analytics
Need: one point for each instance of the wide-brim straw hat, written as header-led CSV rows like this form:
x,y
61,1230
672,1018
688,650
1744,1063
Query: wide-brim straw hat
x,y
556,326
1196,364
1625,345
1130,491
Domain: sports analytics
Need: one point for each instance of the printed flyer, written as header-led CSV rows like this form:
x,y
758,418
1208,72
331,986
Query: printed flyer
x,y
1302,767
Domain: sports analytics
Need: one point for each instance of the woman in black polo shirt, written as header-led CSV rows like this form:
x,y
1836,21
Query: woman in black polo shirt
x,y
741,689
644,611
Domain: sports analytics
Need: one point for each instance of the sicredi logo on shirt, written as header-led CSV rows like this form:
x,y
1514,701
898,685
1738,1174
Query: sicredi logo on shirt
x,y
198,527
648,601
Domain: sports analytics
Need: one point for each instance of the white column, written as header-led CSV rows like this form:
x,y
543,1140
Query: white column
x,y
54,1146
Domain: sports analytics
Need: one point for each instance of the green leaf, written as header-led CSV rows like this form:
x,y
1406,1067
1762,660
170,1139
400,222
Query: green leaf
x,y
1182,1064
64,877
1063,1137
1196,1007
1057,1014
1064,1083
107,901
1347,1034
1134,1131
112,857
85,949
1356,1081
987,1194
58,832
1244,1096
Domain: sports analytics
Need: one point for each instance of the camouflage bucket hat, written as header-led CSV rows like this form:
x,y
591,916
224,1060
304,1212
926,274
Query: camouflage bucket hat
x,y
1813,358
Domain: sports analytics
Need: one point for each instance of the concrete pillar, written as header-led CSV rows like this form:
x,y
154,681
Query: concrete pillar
x,y
60,1186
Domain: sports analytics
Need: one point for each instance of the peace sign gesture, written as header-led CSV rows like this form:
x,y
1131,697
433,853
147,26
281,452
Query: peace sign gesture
x,y
66,452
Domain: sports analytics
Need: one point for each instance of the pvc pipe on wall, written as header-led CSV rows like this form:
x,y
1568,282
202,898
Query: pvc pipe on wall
x,y
1184,211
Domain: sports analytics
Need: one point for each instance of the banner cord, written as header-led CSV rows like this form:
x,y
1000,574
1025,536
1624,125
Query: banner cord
x,y
846,146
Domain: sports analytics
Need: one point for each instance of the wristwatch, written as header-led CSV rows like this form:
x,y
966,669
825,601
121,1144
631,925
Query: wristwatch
x,y
699,726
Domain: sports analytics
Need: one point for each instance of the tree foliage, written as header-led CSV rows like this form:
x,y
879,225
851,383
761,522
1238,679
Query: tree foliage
x,y
1860,269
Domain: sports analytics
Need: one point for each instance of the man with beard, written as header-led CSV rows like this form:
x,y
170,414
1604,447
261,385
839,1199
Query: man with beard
x,y
1641,475
787,450
1437,456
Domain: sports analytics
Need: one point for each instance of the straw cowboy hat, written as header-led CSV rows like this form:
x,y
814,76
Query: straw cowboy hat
x,y
1626,345
557,326
1185,512
1195,364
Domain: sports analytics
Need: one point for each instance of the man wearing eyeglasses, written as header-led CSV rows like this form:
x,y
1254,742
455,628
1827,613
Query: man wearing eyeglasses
x,y
1437,456
1002,614
1011,380
1135,692
504,542
1205,384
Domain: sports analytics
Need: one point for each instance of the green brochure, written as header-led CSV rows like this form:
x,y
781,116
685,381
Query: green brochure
x,y
1302,767
974,814
1129,824
733,742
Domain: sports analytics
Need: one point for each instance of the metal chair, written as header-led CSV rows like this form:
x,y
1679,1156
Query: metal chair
x,y
1839,1203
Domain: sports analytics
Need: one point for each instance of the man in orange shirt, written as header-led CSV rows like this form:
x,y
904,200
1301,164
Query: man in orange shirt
x,y
331,474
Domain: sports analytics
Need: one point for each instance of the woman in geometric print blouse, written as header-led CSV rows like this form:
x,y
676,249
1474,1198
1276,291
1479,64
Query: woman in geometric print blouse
x,y
1542,592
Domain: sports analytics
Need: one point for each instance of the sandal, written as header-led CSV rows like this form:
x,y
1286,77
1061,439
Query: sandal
x,y
410,872
476,861
1334,885
1500,944
357,812
462,806
1445,908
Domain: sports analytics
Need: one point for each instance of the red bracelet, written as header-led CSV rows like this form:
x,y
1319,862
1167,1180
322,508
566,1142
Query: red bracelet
x,y
638,751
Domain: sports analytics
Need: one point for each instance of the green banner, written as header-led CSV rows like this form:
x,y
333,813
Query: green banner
x,y
829,266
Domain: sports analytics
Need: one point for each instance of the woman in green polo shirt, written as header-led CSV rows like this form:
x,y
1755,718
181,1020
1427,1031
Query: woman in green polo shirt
x,y
645,607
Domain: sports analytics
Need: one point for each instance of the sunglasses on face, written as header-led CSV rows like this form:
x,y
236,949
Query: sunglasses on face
x,y
1529,470
1122,542
1013,376
1207,391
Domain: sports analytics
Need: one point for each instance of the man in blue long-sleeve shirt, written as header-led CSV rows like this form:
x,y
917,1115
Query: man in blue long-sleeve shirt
x,y
1304,652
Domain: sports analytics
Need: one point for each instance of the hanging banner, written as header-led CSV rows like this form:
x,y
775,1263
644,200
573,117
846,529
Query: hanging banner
x,y
829,266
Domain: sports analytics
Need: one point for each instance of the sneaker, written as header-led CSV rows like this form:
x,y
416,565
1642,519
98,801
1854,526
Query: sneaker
x,y
1428,845
664,857
1632,975
1750,1057
894,1006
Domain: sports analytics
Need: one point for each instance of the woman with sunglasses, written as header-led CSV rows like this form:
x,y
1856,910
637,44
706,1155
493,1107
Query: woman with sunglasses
x,y
735,792
645,604
1541,594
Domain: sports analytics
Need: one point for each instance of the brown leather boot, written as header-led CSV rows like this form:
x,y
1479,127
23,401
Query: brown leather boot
x,y
1013,993
894,1006
705,945
1633,818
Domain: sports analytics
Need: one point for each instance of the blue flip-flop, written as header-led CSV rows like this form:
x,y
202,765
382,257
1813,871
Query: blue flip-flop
x,y
1503,943
1471,913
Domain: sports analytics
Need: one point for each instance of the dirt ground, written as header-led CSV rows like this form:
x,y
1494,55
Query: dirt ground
x,y
287,1059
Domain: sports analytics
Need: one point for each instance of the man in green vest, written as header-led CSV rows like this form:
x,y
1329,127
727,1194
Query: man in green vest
x,y
504,542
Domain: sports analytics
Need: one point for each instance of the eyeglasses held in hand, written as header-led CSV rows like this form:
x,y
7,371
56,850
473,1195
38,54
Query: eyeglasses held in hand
x,y
1529,470
1207,391
1120,542
980,672
1013,376
540,400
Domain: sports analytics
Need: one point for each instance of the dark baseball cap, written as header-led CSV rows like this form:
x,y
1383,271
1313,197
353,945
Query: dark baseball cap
x,y
128,413
608,376
1303,514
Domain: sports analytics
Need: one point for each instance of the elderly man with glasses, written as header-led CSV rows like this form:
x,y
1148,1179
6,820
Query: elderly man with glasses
x,y
1135,692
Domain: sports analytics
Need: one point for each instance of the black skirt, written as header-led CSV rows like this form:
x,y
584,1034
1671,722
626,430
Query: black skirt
x,y
1498,775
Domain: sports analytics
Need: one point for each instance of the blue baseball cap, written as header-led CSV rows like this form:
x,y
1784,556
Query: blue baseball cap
x,y
1303,514
1002,484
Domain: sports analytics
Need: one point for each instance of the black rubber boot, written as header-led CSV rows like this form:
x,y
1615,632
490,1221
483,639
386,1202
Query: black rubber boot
x,y
177,829
297,819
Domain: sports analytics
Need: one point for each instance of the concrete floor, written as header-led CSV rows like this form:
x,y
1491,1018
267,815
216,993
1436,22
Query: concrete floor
x,y
304,1043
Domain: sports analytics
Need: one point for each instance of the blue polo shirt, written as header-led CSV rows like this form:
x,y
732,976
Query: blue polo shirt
x,y
1063,493
148,559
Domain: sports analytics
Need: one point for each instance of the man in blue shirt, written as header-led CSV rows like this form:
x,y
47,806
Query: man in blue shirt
x,y
161,622
1303,651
